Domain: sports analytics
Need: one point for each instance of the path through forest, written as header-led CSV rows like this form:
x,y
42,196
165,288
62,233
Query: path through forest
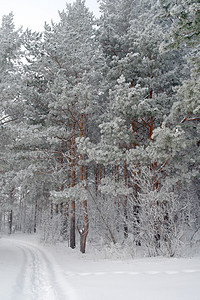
x,y
28,272
31,271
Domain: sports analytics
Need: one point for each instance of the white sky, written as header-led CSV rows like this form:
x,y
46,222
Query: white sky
x,y
33,13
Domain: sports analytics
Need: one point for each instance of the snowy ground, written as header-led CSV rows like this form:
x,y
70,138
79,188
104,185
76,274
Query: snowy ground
x,y
30,271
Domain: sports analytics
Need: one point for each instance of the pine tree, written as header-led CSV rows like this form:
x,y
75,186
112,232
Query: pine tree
x,y
185,113
65,71
141,82
10,112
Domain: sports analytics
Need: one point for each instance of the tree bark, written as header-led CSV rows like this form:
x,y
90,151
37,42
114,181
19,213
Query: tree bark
x,y
73,205
84,231
72,225
125,203
35,216
10,221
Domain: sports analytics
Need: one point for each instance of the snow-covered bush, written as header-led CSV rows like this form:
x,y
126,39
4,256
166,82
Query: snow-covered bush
x,y
163,215
50,229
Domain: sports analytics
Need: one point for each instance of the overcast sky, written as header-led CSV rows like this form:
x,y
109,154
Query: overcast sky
x,y
33,13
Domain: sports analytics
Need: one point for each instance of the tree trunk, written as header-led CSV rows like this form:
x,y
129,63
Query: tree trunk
x,y
73,205
117,201
72,225
10,221
73,215
125,203
96,178
35,217
84,231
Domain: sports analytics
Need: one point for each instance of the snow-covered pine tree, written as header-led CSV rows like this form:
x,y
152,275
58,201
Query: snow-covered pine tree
x,y
141,81
65,73
185,113
10,112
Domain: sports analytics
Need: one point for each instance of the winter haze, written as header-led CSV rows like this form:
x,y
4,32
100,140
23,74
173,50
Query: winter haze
x,y
33,14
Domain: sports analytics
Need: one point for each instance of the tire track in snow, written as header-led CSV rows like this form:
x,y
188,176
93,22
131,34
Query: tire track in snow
x,y
21,278
39,278
156,272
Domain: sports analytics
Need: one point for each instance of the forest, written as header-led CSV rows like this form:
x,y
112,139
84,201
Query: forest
x,y
100,127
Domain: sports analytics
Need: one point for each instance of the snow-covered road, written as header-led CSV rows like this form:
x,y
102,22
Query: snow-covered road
x,y
30,271
27,272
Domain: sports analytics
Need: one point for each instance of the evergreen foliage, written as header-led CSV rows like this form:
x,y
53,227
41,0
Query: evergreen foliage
x,y
100,126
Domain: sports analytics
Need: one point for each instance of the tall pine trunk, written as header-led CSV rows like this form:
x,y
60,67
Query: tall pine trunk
x,y
73,205
125,203
10,218
10,221
35,216
84,231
